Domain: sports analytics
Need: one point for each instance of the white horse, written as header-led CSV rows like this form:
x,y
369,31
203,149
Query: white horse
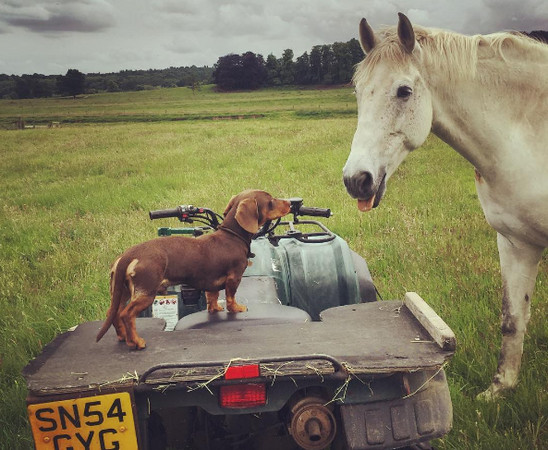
x,y
487,97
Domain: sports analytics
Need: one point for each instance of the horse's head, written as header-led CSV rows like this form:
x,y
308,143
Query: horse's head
x,y
394,111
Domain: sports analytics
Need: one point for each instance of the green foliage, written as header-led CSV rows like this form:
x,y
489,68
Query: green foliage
x,y
73,83
287,71
272,67
74,197
138,80
33,86
327,64
234,72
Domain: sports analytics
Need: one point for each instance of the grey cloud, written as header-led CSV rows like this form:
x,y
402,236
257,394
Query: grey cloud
x,y
526,15
185,7
59,23
465,16
84,16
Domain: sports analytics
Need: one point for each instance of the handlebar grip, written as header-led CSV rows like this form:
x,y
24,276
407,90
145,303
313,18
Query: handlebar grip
x,y
311,211
164,213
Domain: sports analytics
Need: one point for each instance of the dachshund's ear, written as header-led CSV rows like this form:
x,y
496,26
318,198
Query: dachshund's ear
x,y
247,215
230,205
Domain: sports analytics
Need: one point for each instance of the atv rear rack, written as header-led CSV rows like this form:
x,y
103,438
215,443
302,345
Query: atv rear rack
x,y
370,338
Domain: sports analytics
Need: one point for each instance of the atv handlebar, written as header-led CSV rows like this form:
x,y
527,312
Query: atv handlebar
x,y
297,209
164,213
317,212
189,214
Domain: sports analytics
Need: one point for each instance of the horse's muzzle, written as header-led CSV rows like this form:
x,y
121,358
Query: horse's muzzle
x,y
362,186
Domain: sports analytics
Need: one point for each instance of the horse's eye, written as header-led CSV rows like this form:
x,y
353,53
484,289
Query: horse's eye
x,y
404,92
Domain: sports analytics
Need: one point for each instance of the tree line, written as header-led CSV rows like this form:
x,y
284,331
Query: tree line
x,y
74,82
325,64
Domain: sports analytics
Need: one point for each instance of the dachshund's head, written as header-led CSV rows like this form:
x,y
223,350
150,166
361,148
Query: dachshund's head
x,y
252,208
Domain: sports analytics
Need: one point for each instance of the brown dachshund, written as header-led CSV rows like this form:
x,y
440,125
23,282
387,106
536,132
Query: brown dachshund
x,y
210,262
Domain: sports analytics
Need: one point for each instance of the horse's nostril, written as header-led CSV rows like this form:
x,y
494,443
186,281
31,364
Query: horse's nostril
x,y
360,185
365,179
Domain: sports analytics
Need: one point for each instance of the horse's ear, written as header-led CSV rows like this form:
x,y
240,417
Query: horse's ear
x,y
406,33
367,37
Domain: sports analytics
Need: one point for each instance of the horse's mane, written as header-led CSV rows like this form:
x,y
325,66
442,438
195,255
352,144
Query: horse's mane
x,y
456,54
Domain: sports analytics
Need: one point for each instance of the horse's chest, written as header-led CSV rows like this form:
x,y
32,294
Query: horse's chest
x,y
514,212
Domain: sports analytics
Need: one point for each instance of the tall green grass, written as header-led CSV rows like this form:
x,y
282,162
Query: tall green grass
x,y
73,197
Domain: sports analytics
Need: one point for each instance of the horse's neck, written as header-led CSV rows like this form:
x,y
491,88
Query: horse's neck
x,y
489,117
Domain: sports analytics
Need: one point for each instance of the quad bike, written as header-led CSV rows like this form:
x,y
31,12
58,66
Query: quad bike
x,y
316,362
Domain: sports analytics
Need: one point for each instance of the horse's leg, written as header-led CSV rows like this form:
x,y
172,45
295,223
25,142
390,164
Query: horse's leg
x,y
519,267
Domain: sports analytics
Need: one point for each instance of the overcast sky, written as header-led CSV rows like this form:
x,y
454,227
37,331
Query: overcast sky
x,y
52,36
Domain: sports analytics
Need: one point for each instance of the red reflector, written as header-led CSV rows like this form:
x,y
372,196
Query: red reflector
x,y
249,371
242,395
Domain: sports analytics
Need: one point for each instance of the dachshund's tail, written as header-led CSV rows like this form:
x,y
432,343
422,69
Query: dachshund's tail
x,y
117,280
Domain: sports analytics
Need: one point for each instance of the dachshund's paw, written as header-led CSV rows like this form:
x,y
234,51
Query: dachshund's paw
x,y
235,308
139,344
214,308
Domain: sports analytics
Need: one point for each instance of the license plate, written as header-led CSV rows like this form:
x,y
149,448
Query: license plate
x,y
101,422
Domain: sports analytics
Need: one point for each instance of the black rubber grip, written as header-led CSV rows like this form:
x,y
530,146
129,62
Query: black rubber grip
x,y
164,213
311,211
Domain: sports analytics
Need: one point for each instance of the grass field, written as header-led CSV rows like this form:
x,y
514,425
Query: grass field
x,y
73,197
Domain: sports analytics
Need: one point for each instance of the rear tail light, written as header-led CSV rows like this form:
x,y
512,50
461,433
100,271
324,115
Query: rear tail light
x,y
239,396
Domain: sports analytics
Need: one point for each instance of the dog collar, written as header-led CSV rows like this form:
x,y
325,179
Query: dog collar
x,y
247,243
